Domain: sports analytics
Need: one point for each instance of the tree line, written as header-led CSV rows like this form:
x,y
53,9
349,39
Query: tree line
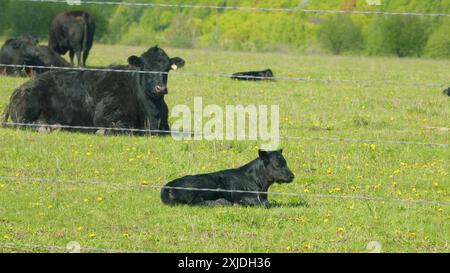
x,y
403,36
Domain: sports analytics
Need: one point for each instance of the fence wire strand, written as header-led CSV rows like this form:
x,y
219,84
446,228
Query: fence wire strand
x,y
51,248
225,75
248,8
290,194
182,134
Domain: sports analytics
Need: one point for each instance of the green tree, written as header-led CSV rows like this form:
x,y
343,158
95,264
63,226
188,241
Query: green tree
x,y
339,34
403,36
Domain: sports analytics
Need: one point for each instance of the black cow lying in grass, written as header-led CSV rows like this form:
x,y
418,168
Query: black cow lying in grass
x,y
22,50
256,176
446,91
254,75
98,98
25,50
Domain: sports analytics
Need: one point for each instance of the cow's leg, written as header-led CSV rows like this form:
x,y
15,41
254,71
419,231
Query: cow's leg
x,y
218,202
79,58
71,55
85,56
106,116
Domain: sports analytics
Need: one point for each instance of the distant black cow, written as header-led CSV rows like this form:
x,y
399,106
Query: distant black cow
x,y
74,32
98,98
22,50
25,50
446,91
256,176
254,75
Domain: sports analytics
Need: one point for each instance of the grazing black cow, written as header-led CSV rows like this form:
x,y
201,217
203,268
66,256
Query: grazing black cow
x,y
256,176
446,91
22,50
254,75
98,98
74,32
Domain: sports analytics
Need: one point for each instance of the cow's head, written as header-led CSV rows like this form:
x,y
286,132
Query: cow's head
x,y
446,92
268,73
155,60
24,47
276,166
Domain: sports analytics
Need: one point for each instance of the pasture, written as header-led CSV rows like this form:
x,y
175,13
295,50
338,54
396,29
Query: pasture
x,y
121,217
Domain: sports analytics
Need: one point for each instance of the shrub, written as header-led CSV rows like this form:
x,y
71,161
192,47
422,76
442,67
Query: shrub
x,y
339,33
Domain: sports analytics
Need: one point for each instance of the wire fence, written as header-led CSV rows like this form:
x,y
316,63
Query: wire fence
x,y
226,75
122,186
68,248
247,8
182,134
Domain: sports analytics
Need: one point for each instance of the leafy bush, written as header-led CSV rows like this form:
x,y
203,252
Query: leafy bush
x,y
438,45
339,34
404,36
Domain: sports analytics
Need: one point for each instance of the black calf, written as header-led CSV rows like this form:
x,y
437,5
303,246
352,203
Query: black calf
x,y
254,75
446,91
256,176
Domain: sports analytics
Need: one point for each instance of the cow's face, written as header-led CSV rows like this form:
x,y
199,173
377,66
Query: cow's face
x,y
25,46
155,60
276,166
269,73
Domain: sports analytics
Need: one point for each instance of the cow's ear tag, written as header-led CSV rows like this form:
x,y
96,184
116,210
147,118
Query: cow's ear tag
x,y
174,67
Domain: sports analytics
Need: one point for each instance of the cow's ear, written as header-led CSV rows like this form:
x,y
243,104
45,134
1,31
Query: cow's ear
x,y
176,63
264,156
134,61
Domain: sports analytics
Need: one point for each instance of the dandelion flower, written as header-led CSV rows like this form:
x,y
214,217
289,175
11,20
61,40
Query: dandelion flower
x,y
92,235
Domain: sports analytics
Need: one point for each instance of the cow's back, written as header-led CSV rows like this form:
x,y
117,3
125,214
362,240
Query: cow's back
x,y
68,22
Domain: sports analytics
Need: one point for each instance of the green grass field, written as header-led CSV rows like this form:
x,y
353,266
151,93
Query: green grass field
x,y
109,216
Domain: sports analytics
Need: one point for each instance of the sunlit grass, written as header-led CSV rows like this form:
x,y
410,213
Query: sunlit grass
x,y
135,218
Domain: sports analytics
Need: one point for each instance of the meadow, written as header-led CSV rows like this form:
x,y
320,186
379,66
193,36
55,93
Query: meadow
x,y
112,216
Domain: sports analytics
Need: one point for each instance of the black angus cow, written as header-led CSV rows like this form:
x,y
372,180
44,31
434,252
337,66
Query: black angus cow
x,y
446,91
25,50
22,50
256,176
98,98
74,32
254,75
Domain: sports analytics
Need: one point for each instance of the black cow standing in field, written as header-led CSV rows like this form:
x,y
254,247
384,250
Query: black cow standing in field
x,y
74,32
254,75
256,176
98,98
25,50
446,91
